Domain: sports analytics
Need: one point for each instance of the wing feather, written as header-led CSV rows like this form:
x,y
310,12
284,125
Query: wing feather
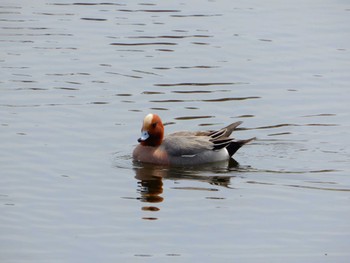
x,y
186,145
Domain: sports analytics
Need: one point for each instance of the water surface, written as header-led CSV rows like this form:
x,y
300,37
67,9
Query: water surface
x,y
77,80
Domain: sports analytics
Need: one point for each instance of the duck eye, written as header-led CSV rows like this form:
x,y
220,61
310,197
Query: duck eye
x,y
154,125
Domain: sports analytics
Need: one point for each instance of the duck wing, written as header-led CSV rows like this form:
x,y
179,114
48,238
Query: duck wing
x,y
222,133
186,145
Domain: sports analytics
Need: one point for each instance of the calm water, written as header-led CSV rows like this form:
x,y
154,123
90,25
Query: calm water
x,y
77,78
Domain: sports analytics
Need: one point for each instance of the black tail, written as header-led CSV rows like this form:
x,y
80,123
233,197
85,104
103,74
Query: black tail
x,y
233,147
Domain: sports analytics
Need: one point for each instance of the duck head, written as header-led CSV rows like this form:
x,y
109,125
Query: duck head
x,y
152,131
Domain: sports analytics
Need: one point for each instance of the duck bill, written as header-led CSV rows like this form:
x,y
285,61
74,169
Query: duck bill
x,y
144,136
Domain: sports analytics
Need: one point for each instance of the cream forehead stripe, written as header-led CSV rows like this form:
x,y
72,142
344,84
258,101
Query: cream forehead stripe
x,y
147,120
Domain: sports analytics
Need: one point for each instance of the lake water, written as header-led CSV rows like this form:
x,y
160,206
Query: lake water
x,y
77,78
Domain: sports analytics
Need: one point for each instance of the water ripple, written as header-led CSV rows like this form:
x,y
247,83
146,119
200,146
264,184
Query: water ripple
x,y
325,188
168,36
206,100
93,19
288,125
87,4
196,15
144,44
232,98
150,10
197,84
192,91
193,117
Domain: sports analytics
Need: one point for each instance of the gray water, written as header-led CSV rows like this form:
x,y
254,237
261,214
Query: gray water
x,y
77,78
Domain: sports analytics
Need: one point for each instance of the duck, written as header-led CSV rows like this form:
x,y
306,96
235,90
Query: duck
x,y
184,148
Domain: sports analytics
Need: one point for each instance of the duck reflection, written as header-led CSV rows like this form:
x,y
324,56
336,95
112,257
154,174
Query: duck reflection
x,y
150,178
150,189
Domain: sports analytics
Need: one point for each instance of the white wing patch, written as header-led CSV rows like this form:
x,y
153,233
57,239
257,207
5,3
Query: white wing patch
x,y
189,155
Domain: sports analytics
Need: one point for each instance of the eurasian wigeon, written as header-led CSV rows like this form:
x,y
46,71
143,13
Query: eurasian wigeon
x,y
184,148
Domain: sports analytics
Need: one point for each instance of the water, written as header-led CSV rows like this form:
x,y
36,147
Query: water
x,y
77,80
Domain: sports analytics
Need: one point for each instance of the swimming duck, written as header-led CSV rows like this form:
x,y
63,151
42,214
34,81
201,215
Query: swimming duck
x,y
184,147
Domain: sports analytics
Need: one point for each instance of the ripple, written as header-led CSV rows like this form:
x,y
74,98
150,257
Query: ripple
x,y
208,124
196,84
87,4
196,15
170,36
74,82
272,126
325,188
193,117
24,81
245,116
168,101
123,94
152,37
165,50
200,43
152,92
279,134
320,115
32,89
55,14
68,74
155,108
255,170
16,41
144,44
55,48
151,10
99,102
321,124
146,72
192,91
196,67
232,98
93,19
207,100
39,105
161,68
320,188
265,40
290,124
195,188
125,75
65,88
